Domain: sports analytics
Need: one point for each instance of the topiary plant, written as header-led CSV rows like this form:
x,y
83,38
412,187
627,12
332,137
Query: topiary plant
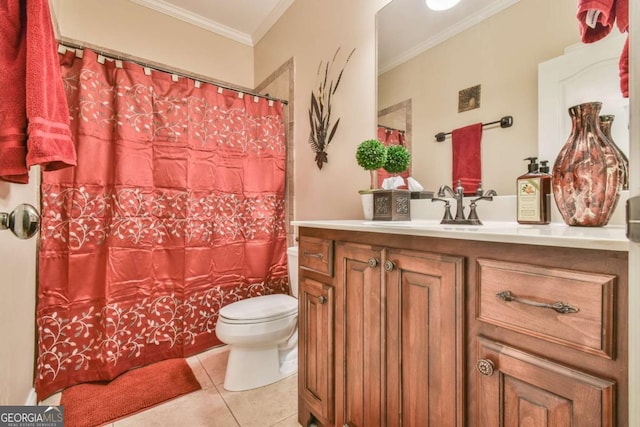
x,y
398,159
371,155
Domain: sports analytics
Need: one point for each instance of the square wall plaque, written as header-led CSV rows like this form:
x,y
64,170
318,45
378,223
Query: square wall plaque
x,y
469,98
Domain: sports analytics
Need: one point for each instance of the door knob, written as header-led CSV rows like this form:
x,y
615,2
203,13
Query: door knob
x,y
373,263
389,265
485,367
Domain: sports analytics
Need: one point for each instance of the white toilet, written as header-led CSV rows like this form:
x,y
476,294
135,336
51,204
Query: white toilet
x,y
262,334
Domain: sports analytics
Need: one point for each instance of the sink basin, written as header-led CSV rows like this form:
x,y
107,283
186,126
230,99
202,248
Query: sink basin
x,y
416,223
435,224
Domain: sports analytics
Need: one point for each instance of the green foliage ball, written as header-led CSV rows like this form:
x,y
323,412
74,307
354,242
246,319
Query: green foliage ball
x,y
398,159
371,154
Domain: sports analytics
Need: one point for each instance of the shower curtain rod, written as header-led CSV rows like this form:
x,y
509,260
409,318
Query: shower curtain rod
x,y
109,53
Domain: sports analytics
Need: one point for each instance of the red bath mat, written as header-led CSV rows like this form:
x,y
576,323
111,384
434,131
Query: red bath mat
x,y
97,403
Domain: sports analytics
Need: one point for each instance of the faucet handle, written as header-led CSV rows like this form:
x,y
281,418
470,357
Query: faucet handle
x,y
473,215
482,195
447,210
489,198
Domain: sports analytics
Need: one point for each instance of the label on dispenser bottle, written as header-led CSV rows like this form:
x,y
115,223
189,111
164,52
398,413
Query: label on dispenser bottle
x,y
529,205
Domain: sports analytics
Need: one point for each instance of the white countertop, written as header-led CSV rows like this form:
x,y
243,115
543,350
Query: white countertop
x,y
611,237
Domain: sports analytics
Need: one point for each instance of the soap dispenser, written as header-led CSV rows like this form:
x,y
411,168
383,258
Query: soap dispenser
x,y
545,177
533,194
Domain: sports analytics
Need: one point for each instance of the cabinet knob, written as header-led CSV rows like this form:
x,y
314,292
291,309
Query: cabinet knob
x,y
485,367
389,265
322,299
373,263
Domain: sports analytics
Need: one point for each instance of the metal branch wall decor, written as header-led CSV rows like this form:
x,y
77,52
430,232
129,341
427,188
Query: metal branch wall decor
x,y
322,129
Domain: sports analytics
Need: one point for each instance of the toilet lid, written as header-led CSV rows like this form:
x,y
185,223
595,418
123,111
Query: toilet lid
x,y
260,308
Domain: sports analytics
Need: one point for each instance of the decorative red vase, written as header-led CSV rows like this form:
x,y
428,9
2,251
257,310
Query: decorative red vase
x,y
606,122
587,175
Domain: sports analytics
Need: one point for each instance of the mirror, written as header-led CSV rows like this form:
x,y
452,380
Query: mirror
x,y
495,44
23,221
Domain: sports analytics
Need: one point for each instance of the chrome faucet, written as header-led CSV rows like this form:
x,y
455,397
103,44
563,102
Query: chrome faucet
x,y
458,196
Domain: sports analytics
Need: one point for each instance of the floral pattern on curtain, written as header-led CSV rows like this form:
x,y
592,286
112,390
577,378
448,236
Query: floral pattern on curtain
x,y
388,137
176,208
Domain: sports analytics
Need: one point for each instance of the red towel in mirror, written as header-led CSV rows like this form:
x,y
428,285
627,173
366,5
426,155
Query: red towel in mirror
x,y
467,166
604,22
622,15
608,13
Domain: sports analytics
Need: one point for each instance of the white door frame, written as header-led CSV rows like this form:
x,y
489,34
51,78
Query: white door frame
x,y
634,190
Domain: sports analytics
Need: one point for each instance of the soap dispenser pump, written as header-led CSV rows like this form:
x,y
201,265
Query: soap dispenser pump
x,y
534,194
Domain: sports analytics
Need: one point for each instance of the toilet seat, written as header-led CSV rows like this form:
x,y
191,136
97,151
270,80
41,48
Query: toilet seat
x,y
260,309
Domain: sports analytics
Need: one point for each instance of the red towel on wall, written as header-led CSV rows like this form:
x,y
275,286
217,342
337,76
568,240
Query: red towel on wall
x,y
34,115
467,166
13,120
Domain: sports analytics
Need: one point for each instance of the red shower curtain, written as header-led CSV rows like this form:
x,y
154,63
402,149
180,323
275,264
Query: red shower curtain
x,y
175,209
388,137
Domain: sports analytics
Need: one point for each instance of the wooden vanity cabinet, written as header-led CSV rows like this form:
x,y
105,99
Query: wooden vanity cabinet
x,y
316,302
359,345
416,334
424,315
517,388
551,342
398,336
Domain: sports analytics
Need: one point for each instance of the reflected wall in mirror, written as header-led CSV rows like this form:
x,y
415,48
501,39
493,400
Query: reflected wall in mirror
x,y
498,45
394,127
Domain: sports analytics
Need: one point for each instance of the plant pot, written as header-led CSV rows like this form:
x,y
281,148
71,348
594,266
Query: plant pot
x,y
367,205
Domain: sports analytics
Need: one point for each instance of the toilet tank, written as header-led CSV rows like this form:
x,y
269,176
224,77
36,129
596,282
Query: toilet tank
x,y
292,261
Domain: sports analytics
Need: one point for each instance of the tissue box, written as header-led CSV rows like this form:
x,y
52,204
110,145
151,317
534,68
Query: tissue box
x,y
392,205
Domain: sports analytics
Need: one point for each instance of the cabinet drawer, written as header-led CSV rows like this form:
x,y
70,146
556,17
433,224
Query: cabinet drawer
x,y
519,296
316,255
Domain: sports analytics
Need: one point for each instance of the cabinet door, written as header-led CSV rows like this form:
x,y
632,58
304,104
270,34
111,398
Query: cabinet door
x,y
359,344
424,339
519,389
315,332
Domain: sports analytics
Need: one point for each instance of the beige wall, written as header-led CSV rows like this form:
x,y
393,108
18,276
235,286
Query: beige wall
x,y
309,32
502,55
141,32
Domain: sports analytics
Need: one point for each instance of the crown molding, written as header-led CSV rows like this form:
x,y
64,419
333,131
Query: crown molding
x,y
195,19
279,10
215,27
442,36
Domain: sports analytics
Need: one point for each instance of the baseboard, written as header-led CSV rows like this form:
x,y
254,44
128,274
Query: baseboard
x,y
32,399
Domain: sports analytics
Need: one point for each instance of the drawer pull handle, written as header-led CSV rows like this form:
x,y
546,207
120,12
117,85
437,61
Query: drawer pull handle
x,y
389,265
373,263
485,367
322,299
313,255
560,307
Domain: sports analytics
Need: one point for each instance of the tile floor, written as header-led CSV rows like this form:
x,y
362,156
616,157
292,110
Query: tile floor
x,y
274,405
